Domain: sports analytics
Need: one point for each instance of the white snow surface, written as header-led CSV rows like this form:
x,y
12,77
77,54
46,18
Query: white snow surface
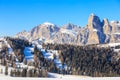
x,y
95,30
55,75
118,24
28,53
61,78
117,33
113,44
71,32
50,55
108,45
1,38
116,50
48,23
47,55
112,21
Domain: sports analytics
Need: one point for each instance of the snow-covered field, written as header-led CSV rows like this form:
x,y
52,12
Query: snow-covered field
x,y
113,44
2,77
54,76
28,53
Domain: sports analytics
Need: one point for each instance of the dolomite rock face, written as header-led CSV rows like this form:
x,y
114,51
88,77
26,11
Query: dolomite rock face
x,y
107,28
93,38
115,33
95,32
45,30
94,23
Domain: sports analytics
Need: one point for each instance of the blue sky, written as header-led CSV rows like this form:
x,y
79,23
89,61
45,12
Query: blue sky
x,y
19,15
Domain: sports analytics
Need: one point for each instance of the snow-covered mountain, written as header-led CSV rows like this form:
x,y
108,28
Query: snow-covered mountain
x,y
95,32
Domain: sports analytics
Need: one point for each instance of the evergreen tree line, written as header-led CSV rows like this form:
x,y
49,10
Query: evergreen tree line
x,y
18,46
89,60
28,73
81,60
40,63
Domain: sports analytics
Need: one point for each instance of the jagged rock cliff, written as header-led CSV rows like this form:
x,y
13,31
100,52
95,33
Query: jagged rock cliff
x,y
95,32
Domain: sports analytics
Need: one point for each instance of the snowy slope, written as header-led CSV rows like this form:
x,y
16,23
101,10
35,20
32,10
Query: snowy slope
x,y
49,54
55,75
28,53
117,33
10,50
67,31
47,23
95,30
113,44
75,78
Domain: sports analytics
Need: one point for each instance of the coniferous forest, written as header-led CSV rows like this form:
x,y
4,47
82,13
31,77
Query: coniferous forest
x,y
89,60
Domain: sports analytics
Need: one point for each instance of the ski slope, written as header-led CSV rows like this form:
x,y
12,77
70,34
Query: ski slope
x,y
49,54
28,53
10,50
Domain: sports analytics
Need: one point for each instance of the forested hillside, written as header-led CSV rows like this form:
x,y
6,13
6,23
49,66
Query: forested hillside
x,y
27,59
89,60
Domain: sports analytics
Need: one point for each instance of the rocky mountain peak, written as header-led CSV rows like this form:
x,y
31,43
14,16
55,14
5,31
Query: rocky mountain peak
x,y
96,32
48,24
95,27
69,26
92,14
105,21
49,27
94,22
106,30
106,26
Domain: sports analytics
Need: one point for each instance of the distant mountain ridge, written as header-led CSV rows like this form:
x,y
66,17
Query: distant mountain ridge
x,y
95,32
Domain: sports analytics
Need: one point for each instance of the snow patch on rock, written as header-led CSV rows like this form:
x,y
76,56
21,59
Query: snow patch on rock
x,y
48,23
71,32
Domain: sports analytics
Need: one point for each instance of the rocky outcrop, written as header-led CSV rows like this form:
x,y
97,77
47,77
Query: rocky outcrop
x,y
95,27
94,23
95,32
115,33
46,30
107,30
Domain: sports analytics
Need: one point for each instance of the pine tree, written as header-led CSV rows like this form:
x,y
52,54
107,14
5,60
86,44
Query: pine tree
x,y
44,73
24,72
6,70
37,73
11,72
1,71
